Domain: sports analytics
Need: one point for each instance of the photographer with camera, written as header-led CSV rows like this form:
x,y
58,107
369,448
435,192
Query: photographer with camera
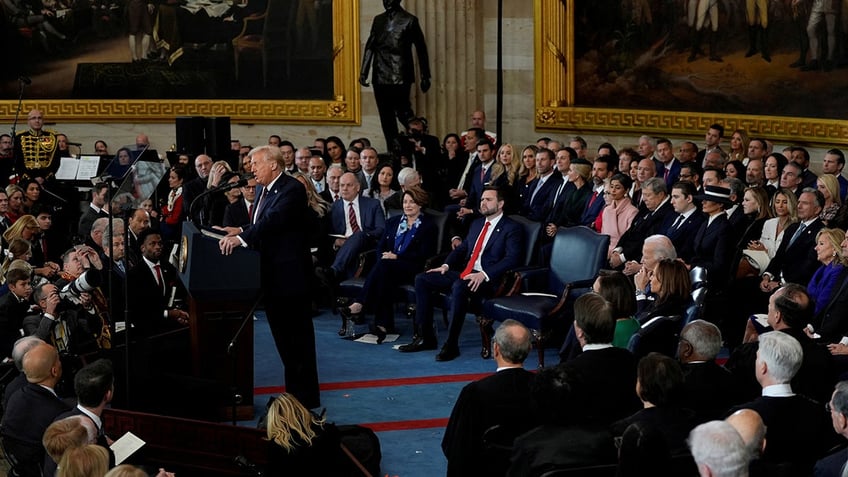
x,y
70,328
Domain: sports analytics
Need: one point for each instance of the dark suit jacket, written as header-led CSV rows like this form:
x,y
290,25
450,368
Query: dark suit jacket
x,y
674,172
708,389
683,237
673,423
590,213
30,411
191,190
832,321
796,263
87,220
371,216
570,205
553,446
504,251
831,466
609,376
537,208
50,465
713,250
278,236
83,328
798,429
147,304
644,225
12,315
502,398
235,215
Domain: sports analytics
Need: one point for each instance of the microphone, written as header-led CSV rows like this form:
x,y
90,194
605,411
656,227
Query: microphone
x,y
25,80
231,185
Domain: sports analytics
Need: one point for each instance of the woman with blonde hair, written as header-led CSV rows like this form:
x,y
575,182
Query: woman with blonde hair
x,y
25,228
126,470
19,249
829,253
16,202
738,147
828,185
301,443
89,460
508,158
318,226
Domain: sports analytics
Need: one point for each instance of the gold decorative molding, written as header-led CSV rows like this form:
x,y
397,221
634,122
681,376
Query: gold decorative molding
x,y
342,108
556,109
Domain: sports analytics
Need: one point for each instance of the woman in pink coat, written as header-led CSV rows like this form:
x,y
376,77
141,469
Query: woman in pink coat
x,y
619,212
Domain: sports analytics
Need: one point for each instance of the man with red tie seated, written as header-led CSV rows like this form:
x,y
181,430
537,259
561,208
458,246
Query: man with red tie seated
x,y
494,245
358,221
150,283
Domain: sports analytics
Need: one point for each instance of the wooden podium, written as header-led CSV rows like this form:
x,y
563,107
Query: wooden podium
x,y
222,290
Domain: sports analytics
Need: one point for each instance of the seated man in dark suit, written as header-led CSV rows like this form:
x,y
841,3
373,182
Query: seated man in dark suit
x,y
796,425
712,245
687,221
501,399
359,221
237,214
654,219
94,385
708,388
13,308
835,464
95,209
569,436
151,283
789,311
18,351
542,190
31,410
494,245
608,373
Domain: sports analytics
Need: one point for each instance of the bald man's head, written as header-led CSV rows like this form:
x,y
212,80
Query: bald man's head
x,y
751,427
42,366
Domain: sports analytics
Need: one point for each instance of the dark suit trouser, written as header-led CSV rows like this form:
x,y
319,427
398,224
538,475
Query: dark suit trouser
x,y
291,325
428,285
345,261
393,104
378,291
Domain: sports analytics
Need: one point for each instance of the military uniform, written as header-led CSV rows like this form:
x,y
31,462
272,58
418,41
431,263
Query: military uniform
x,y
36,154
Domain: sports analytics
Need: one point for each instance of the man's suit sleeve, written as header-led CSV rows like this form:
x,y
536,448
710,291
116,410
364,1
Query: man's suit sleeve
x,y
284,213
513,234
377,218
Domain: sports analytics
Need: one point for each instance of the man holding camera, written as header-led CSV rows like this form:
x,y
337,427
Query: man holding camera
x,y
71,329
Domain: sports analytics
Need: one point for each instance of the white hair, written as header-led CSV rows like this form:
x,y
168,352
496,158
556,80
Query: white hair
x,y
782,354
717,446
704,337
664,247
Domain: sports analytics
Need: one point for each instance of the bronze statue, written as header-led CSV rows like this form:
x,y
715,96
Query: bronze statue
x,y
389,46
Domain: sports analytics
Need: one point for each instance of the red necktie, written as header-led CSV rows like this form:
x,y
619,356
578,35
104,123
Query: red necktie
x,y
259,203
478,247
592,200
159,280
351,215
250,210
665,175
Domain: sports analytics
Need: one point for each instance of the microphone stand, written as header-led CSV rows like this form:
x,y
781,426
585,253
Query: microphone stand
x,y
219,188
231,352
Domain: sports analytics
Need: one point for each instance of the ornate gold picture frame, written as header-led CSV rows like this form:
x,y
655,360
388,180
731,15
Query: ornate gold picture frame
x,y
343,108
555,107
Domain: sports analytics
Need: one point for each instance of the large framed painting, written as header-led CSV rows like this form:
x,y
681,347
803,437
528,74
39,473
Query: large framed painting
x,y
281,61
648,66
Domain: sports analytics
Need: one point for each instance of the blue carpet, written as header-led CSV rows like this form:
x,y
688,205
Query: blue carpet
x,y
415,413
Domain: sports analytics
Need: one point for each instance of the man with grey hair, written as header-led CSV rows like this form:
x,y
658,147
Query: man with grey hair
x,y
500,399
655,217
836,464
407,177
796,424
333,174
718,450
708,388
18,351
95,237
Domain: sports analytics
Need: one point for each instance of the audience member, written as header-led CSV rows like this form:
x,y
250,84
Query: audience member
x,y
752,430
13,308
20,348
63,434
834,465
498,400
89,460
718,450
655,219
688,219
708,388
96,208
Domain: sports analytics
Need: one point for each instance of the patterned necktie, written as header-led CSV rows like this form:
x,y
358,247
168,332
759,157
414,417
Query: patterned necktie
x,y
478,247
351,216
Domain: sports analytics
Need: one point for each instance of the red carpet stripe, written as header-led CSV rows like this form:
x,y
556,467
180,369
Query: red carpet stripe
x,y
406,425
378,383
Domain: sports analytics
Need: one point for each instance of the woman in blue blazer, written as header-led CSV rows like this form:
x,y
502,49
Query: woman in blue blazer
x,y
408,240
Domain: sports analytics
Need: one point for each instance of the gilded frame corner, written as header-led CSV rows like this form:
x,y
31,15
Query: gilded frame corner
x,y
343,108
555,107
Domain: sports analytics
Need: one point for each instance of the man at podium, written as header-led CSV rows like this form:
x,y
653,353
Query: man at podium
x,y
275,230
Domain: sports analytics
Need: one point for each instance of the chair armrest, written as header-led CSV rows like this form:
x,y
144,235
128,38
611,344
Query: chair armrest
x,y
246,22
532,278
435,261
365,261
582,284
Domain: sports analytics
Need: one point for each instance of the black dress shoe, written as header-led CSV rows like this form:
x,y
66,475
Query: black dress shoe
x,y
448,353
811,66
419,344
327,276
381,334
